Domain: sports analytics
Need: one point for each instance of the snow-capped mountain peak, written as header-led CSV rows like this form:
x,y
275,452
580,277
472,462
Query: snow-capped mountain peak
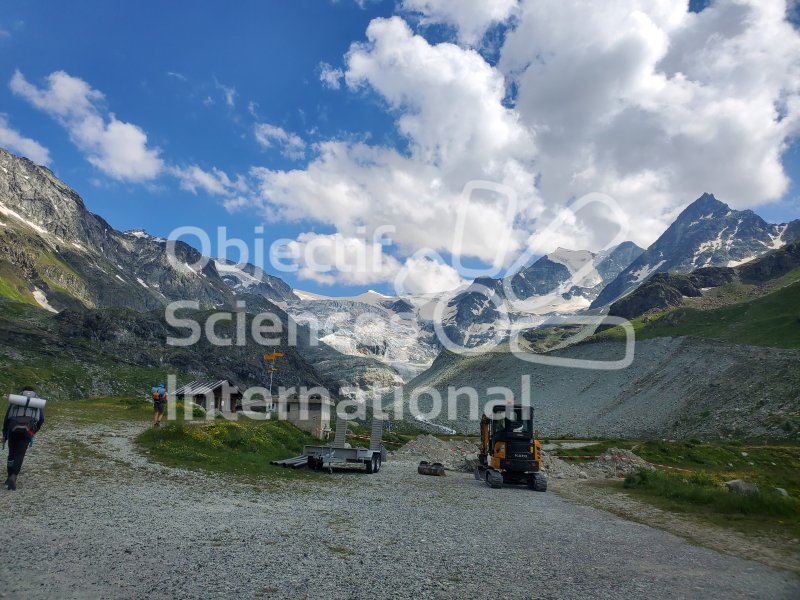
x,y
574,260
708,233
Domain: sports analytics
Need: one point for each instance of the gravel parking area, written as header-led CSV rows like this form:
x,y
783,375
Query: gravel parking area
x,y
107,523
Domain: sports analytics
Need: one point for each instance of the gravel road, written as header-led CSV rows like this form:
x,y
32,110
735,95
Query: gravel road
x,y
108,523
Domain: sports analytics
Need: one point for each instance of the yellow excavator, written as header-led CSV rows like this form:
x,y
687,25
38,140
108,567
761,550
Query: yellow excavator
x,y
510,452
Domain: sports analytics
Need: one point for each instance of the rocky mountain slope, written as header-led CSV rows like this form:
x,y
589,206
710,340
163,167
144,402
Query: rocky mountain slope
x,y
56,254
250,279
486,311
676,387
71,257
111,351
707,233
665,290
723,363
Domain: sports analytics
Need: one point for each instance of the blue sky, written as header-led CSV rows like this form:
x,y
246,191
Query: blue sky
x,y
269,52
199,78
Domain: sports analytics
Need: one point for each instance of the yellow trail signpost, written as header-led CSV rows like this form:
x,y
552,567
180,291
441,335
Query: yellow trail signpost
x,y
272,369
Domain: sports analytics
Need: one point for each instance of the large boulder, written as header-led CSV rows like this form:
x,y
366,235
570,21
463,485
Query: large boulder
x,y
740,486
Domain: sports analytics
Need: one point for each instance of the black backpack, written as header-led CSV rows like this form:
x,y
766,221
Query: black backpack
x,y
22,418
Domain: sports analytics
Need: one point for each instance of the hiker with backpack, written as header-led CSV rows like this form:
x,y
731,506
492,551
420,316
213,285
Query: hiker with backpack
x,y
24,417
159,402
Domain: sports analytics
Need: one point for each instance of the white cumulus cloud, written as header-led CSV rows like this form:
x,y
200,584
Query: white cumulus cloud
x,y
471,18
332,258
641,100
452,114
354,260
215,182
653,104
330,76
14,141
425,275
117,148
290,145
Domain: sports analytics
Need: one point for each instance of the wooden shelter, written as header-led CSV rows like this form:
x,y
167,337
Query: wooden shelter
x,y
217,395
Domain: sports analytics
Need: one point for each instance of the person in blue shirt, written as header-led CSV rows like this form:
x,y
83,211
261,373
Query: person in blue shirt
x,y
159,402
19,426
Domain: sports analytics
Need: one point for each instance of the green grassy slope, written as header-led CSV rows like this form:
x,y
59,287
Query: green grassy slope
x,y
12,286
243,447
772,320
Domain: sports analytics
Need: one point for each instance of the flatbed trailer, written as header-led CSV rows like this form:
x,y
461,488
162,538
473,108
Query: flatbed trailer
x,y
337,455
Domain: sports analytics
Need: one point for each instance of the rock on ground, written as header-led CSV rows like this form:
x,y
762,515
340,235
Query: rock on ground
x,y
455,455
614,462
740,486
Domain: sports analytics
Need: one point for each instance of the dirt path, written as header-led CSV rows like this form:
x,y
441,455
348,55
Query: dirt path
x,y
96,519
782,554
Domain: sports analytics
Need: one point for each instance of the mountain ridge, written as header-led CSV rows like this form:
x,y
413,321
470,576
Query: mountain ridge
x,y
57,255
707,233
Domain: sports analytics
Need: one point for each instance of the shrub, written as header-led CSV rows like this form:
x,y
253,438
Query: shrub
x,y
702,489
198,412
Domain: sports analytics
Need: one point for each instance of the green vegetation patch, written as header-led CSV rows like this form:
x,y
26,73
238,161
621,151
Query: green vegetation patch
x,y
768,466
243,447
101,409
705,495
49,259
66,377
12,286
697,488
772,320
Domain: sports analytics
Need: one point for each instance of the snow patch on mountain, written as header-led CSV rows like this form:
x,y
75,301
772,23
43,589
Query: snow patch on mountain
x,y
12,213
41,299
244,278
574,260
358,328
309,296
554,304
746,259
644,272
141,234
370,297
777,237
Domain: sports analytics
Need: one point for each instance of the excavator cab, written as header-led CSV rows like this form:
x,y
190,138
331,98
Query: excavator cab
x,y
510,452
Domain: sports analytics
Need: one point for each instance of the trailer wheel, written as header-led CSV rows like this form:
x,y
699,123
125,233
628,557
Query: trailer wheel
x,y
377,466
369,465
